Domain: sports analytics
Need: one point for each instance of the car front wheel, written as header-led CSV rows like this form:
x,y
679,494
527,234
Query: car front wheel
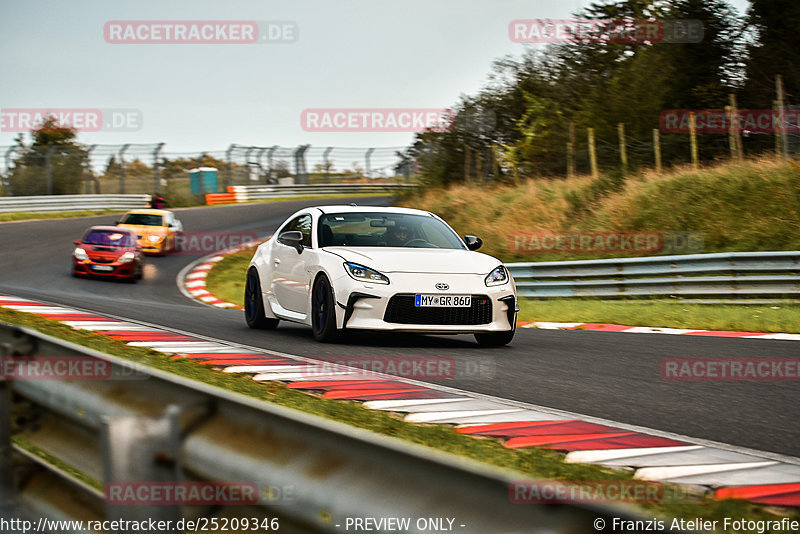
x,y
254,304
323,311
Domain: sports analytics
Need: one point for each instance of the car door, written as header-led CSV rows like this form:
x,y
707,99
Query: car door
x,y
290,277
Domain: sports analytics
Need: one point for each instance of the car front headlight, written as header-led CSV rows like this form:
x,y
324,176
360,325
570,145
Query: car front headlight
x,y
80,254
497,277
127,257
155,238
365,274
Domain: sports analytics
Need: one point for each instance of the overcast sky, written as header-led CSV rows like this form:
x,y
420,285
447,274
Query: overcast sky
x,y
347,54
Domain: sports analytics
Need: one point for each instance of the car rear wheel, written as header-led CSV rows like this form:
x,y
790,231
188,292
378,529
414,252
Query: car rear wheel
x,y
254,304
323,311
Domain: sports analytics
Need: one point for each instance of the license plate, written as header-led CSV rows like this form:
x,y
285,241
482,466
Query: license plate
x,y
102,268
442,301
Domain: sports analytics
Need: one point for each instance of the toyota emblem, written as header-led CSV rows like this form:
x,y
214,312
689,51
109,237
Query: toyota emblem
x,y
442,287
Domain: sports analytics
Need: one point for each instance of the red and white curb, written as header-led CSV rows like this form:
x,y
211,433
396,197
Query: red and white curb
x,y
604,327
722,470
193,283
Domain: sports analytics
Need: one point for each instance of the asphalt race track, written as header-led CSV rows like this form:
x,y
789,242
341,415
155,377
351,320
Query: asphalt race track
x,y
614,376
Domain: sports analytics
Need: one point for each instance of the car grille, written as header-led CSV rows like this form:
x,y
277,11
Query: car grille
x,y
102,260
401,310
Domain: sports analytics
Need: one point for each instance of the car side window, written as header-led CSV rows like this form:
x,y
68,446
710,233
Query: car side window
x,y
303,225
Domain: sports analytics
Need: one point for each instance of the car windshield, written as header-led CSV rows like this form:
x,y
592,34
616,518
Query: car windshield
x,y
108,238
379,229
143,219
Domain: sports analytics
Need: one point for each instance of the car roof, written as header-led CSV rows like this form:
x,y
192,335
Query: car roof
x,y
148,212
369,209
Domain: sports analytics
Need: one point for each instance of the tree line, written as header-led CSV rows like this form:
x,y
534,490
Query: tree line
x,y
535,104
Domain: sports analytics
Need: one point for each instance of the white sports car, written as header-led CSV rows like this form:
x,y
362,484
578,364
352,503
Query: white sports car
x,y
338,268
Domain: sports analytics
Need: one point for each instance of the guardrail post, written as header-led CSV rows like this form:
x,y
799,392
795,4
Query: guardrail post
x,y
141,450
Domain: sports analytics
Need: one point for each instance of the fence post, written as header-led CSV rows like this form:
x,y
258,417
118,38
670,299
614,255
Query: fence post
x,y
270,169
592,153
782,116
156,178
88,169
48,162
300,173
229,166
657,148
366,159
7,156
693,140
623,153
571,151
737,135
122,168
325,163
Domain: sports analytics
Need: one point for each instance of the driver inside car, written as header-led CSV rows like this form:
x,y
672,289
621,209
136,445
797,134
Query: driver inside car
x,y
396,236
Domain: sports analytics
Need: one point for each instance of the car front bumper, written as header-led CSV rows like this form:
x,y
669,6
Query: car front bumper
x,y
391,307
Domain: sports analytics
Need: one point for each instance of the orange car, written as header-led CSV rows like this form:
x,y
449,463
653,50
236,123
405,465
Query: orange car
x,y
155,229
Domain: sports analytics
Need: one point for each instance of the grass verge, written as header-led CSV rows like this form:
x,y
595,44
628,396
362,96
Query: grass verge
x,y
226,278
532,463
29,215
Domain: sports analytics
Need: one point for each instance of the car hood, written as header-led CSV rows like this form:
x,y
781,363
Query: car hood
x,y
144,230
418,260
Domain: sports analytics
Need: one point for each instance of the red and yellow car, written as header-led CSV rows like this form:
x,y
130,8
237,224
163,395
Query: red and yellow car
x,y
108,251
156,230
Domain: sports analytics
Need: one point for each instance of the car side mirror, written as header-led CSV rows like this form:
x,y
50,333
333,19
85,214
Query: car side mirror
x,y
472,242
77,241
117,222
292,238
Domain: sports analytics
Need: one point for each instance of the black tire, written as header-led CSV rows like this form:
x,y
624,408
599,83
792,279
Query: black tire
x,y
139,272
254,304
323,311
495,339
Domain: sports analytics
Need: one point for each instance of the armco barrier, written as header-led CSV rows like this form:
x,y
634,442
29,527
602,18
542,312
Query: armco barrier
x,y
310,471
248,193
47,203
720,274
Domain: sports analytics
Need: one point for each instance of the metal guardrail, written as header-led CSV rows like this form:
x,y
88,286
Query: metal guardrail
x,y
720,274
246,193
47,203
144,425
